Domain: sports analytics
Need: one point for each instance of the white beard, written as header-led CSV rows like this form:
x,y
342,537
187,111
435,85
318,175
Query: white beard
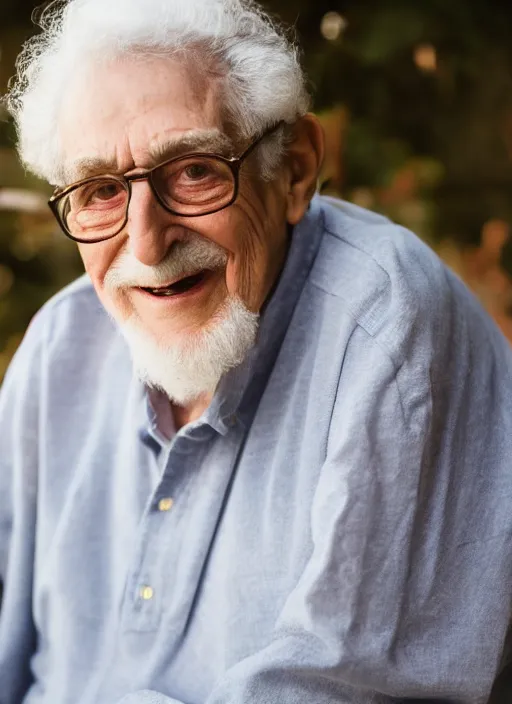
x,y
193,366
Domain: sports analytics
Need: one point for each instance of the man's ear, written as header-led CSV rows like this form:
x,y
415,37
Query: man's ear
x,y
304,160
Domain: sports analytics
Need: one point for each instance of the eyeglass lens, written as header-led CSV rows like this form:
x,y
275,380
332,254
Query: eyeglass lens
x,y
187,186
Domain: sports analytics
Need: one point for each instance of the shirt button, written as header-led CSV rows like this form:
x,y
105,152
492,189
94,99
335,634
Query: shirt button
x,y
146,593
165,504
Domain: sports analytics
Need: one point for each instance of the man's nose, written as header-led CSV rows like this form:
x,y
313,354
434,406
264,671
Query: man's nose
x,y
151,229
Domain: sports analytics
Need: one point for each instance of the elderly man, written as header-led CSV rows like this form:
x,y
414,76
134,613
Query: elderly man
x,y
261,453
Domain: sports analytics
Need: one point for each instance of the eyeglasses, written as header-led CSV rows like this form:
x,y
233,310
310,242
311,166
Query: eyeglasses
x,y
96,209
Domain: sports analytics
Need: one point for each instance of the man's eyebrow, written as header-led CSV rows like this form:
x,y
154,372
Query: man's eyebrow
x,y
90,166
210,141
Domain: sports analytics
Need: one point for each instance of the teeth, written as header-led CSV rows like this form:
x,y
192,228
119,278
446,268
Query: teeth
x,y
159,291
180,286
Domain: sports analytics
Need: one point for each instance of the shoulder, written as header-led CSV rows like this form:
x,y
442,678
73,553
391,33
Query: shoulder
x,y
71,330
397,289
426,375
75,307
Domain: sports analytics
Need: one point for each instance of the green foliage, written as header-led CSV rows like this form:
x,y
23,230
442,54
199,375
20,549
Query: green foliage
x,y
459,114
372,158
33,265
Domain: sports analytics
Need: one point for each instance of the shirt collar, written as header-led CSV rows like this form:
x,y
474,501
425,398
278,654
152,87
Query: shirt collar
x,y
238,393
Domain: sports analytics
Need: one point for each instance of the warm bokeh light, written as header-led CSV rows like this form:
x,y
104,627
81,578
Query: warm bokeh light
x,y
332,25
22,201
425,58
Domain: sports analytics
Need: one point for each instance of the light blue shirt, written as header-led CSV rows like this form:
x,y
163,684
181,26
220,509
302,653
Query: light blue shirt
x,y
335,529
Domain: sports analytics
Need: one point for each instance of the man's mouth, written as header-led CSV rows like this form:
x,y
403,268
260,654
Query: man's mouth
x,y
184,285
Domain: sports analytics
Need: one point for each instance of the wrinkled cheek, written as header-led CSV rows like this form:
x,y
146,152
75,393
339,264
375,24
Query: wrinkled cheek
x,y
97,259
246,223
116,305
232,278
243,277
116,302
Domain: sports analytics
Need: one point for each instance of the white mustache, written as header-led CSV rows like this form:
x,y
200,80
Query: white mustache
x,y
185,257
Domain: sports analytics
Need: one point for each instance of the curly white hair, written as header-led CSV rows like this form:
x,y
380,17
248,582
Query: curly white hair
x,y
257,61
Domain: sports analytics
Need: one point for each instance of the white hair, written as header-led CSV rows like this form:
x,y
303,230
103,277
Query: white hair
x,y
261,80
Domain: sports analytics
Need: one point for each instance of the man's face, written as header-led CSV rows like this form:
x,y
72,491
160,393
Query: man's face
x,y
133,114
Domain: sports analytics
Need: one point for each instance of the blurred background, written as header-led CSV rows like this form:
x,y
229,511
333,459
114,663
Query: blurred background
x,y
416,101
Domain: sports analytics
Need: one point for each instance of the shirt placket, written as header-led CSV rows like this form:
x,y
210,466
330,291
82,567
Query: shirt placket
x,y
143,600
178,526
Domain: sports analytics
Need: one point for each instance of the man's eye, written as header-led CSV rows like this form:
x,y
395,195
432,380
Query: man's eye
x,y
98,195
196,172
106,191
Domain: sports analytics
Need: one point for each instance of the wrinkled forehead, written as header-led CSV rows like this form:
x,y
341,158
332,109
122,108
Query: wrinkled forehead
x,y
134,112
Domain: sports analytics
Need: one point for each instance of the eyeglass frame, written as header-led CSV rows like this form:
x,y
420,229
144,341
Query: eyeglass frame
x,y
234,164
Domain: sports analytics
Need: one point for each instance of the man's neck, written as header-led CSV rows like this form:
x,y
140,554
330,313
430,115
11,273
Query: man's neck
x,y
192,411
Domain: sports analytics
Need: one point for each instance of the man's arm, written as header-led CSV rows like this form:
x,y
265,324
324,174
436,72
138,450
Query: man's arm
x,y
407,592
18,500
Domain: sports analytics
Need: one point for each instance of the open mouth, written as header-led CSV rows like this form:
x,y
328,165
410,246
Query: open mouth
x,y
179,287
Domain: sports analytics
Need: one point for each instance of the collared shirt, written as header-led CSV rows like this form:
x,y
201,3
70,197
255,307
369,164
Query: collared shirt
x,y
335,528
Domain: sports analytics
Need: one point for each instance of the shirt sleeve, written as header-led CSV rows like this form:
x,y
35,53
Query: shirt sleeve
x,y
406,594
148,696
18,501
